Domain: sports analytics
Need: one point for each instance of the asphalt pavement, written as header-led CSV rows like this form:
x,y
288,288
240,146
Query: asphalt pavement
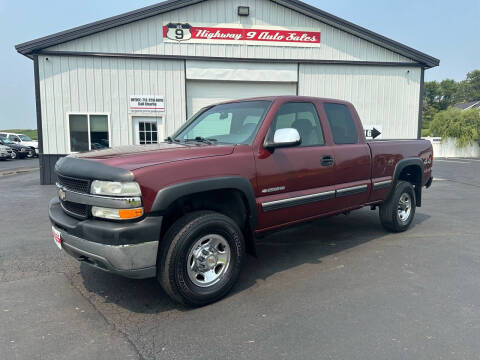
x,y
8,167
336,288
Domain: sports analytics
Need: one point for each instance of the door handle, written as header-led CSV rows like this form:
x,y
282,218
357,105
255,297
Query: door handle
x,y
327,160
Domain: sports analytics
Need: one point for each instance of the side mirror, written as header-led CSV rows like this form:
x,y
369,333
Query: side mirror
x,y
283,138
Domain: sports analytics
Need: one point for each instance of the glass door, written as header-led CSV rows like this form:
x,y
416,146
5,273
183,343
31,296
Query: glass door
x,y
147,130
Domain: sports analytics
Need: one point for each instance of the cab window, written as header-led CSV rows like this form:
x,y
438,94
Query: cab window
x,y
303,117
341,123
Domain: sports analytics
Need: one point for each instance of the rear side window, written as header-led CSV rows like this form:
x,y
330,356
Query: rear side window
x,y
341,123
304,118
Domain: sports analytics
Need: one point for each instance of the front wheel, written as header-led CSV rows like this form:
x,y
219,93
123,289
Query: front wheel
x,y
13,155
200,258
397,213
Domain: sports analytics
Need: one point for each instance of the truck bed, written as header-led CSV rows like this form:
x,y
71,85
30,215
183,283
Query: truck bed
x,y
387,153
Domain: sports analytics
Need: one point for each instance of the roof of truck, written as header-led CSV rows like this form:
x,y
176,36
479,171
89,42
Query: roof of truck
x,y
286,98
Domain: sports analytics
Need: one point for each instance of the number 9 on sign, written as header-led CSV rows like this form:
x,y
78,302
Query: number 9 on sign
x,y
179,34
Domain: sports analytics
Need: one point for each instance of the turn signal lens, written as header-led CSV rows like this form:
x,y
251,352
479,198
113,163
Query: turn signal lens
x,y
117,214
130,213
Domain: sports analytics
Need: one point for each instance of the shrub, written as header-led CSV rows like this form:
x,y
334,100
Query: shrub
x,y
463,125
425,132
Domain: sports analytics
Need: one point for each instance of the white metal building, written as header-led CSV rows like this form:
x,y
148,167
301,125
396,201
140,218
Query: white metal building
x,y
136,77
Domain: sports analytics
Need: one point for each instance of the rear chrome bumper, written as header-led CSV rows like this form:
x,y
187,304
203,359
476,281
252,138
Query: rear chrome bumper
x,y
128,249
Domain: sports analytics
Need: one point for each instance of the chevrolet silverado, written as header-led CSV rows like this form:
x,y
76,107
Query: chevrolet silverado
x,y
186,211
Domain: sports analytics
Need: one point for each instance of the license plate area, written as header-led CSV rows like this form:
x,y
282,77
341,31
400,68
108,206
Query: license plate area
x,y
57,237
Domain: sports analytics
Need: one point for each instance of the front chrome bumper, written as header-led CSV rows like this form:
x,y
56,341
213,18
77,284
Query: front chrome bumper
x,y
128,249
134,261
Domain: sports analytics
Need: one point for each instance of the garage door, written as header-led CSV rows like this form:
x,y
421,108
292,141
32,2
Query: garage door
x,y
202,93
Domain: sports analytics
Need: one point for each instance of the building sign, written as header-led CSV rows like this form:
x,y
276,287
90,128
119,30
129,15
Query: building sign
x,y
184,32
146,104
373,131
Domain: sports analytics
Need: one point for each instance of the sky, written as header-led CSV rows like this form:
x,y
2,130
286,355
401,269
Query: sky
x,y
445,29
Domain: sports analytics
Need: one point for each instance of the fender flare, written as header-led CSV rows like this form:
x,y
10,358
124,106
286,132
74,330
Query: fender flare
x,y
166,196
402,164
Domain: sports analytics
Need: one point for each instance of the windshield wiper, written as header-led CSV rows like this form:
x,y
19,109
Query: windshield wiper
x,y
171,140
202,140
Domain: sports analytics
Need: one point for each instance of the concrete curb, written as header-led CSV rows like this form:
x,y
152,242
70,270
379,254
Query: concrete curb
x,y
17,171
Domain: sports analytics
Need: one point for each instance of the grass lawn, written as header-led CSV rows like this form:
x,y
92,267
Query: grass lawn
x,y
32,133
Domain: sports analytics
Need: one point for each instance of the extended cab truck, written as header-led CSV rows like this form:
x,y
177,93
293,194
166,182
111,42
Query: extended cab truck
x,y
187,210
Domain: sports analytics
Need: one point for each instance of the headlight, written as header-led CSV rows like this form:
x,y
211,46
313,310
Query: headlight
x,y
112,188
117,214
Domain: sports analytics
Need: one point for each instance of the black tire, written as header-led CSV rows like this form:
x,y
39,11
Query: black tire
x,y
30,154
176,246
389,210
14,155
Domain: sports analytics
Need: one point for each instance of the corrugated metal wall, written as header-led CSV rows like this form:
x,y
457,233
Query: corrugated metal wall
x,y
382,95
387,96
104,85
146,37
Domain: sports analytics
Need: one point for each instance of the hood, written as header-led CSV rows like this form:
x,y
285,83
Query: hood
x,y
138,156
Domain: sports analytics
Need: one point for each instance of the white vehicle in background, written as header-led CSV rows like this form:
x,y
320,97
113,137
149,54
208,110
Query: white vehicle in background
x,y
22,139
5,152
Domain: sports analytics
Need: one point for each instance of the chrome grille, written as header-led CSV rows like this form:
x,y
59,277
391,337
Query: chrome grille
x,y
74,184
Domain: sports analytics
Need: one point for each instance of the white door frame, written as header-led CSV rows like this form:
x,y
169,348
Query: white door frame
x,y
160,127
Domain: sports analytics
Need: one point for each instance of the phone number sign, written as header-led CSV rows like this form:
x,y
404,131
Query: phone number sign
x,y
184,32
146,104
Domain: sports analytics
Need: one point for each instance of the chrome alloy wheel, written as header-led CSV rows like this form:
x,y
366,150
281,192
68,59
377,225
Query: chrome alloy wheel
x,y
208,260
404,207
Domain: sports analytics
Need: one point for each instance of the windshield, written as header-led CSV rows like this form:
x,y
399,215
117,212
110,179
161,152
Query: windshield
x,y
233,123
25,138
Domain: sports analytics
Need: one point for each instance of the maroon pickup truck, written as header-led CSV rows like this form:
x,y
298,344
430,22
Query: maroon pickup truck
x,y
187,210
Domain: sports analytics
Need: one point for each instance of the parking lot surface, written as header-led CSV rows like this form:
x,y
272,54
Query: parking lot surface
x,y
7,166
336,288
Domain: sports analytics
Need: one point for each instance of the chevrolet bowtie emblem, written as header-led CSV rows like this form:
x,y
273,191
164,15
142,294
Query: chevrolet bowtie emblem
x,y
61,194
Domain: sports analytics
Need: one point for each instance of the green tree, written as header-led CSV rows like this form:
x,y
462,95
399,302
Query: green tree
x,y
463,125
431,93
469,89
448,90
439,96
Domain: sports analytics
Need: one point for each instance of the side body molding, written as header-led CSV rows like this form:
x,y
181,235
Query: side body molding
x,y
165,197
402,164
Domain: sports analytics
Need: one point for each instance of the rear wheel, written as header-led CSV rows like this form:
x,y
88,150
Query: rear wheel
x,y
397,213
200,258
13,154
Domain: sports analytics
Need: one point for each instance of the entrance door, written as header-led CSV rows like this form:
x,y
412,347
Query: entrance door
x,y
147,130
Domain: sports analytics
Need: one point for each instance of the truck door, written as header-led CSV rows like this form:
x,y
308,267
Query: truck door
x,y
352,156
295,183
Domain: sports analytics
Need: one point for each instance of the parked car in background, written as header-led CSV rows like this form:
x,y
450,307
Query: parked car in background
x,y
5,152
18,150
22,139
